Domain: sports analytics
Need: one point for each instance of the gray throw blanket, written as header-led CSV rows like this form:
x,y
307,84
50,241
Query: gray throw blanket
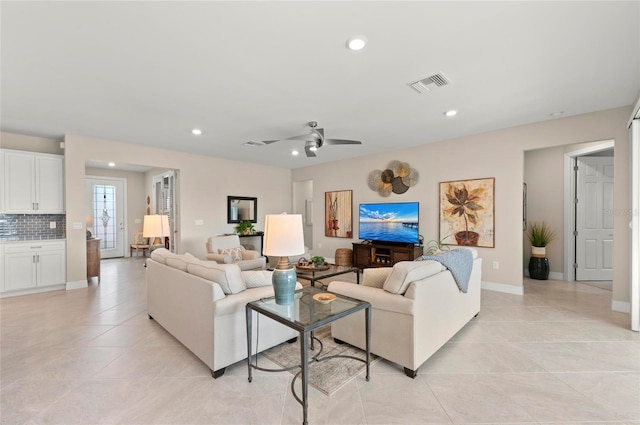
x,y
458,261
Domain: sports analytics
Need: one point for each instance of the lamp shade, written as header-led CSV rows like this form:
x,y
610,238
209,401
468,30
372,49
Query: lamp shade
x,y
283,235
156,226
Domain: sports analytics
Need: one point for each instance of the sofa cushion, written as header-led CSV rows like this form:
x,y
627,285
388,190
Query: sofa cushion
x,y
226,275
257,278
179,261
160,255
234,253
375,276
405,272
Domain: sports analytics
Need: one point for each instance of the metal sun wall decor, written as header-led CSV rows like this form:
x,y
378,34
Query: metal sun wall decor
x,y
338,213
466,212
398,177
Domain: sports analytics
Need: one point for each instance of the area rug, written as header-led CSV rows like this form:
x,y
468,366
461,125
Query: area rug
x,y
327,376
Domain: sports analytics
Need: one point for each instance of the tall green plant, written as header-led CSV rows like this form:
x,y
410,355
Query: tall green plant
x,y
540,234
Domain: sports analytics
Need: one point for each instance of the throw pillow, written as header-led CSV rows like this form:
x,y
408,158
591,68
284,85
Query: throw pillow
x,y
375,276
234,253
257,278
226,275
405,272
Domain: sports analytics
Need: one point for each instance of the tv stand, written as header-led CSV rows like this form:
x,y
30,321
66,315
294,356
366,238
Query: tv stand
x,y
383,254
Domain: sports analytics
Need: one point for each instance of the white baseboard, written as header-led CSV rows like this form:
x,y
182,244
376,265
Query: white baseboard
x,y
621,306
501,287
32,291
78,284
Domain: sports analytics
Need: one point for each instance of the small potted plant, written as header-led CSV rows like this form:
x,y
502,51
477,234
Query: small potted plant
x,y
317,260
540,235
245,227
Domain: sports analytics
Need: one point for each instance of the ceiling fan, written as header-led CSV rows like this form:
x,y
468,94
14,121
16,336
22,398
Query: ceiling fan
x,y
315,139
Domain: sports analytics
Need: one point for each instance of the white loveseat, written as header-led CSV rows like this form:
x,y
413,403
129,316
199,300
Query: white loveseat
x,y
417,308
202,304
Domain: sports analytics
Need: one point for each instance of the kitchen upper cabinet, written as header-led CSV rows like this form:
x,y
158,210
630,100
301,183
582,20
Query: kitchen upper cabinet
x,y
33,183
33,265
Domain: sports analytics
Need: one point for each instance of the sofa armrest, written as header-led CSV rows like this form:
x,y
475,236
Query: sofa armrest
x,y
379,298
219,258
248,254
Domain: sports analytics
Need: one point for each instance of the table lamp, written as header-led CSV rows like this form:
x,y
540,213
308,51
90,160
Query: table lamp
x,y
156,226
283,236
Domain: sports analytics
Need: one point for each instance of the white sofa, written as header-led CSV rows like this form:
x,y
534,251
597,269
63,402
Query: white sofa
x,y
226,249
417,308
202,304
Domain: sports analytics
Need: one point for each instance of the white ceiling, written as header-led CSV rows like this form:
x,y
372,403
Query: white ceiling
x,y
149,72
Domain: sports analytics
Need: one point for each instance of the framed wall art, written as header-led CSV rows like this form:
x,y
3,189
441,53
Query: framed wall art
x,y
338,212
467,212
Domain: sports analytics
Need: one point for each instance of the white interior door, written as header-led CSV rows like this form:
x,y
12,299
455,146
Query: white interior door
x,y
594,218
105,212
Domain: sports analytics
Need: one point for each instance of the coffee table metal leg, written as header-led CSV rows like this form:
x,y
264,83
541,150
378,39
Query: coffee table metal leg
x,y
248,313
304,357
367,326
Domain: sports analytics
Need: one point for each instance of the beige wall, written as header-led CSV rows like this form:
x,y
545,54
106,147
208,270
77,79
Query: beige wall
x,y
498,154
30,143
204,185
544,175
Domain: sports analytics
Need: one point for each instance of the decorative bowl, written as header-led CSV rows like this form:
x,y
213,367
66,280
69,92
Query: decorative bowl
x,y
324,298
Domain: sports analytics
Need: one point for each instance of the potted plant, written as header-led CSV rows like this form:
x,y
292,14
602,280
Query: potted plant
x,y
245,227
465,204
317,260
540,235
435,247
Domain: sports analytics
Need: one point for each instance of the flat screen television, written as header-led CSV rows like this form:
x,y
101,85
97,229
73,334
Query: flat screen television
x,y
395,222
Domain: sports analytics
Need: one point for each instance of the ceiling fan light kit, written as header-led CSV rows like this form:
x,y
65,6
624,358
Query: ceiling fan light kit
x,y
313,140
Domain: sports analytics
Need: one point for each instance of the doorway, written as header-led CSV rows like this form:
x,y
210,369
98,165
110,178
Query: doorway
x,y
593,259
105,214
594,218
164,192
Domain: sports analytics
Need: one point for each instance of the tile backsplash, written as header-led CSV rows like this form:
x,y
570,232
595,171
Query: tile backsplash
x,y
32,226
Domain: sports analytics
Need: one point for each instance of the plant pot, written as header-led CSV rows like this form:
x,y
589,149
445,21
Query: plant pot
x,y
538,251
539,268
466,238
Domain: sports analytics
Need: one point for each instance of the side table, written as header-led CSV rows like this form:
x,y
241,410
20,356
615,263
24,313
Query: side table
x,y
93,258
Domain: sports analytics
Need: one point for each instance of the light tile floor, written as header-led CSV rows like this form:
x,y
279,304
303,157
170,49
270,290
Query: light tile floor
x,y
558,354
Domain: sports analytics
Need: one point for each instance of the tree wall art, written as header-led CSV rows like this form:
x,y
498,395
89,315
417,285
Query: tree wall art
x,y
467,212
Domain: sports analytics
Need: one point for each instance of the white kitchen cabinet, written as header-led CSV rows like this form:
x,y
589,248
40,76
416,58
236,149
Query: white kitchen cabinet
x,y
33,265
33,183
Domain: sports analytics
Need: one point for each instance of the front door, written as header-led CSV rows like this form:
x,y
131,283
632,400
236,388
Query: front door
x,y
594,218
105,214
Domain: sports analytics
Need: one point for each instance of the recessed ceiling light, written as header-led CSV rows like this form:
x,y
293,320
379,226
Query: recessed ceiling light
x,y
196,131
294,153
357,42
451,113
112,164
556,114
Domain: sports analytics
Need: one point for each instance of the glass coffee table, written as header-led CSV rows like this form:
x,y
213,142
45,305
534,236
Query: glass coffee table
x,y
314,275
308,312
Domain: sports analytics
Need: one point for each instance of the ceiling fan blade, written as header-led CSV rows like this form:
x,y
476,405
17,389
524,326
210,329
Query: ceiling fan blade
x,y
342,142
310,153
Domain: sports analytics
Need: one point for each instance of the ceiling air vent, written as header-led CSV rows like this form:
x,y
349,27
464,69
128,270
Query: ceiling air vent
x,y
429,83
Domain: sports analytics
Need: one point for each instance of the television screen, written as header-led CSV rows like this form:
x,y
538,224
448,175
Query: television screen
x,y
390,222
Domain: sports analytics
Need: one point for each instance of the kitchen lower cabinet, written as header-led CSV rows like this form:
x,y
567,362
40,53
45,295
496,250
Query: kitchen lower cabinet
x,y
33,265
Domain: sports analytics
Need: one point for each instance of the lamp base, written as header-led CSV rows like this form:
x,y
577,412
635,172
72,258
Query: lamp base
x,y
284,282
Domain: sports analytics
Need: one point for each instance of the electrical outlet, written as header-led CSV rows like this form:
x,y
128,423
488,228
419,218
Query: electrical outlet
x,y
199,222
496,265
52,225
319,245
